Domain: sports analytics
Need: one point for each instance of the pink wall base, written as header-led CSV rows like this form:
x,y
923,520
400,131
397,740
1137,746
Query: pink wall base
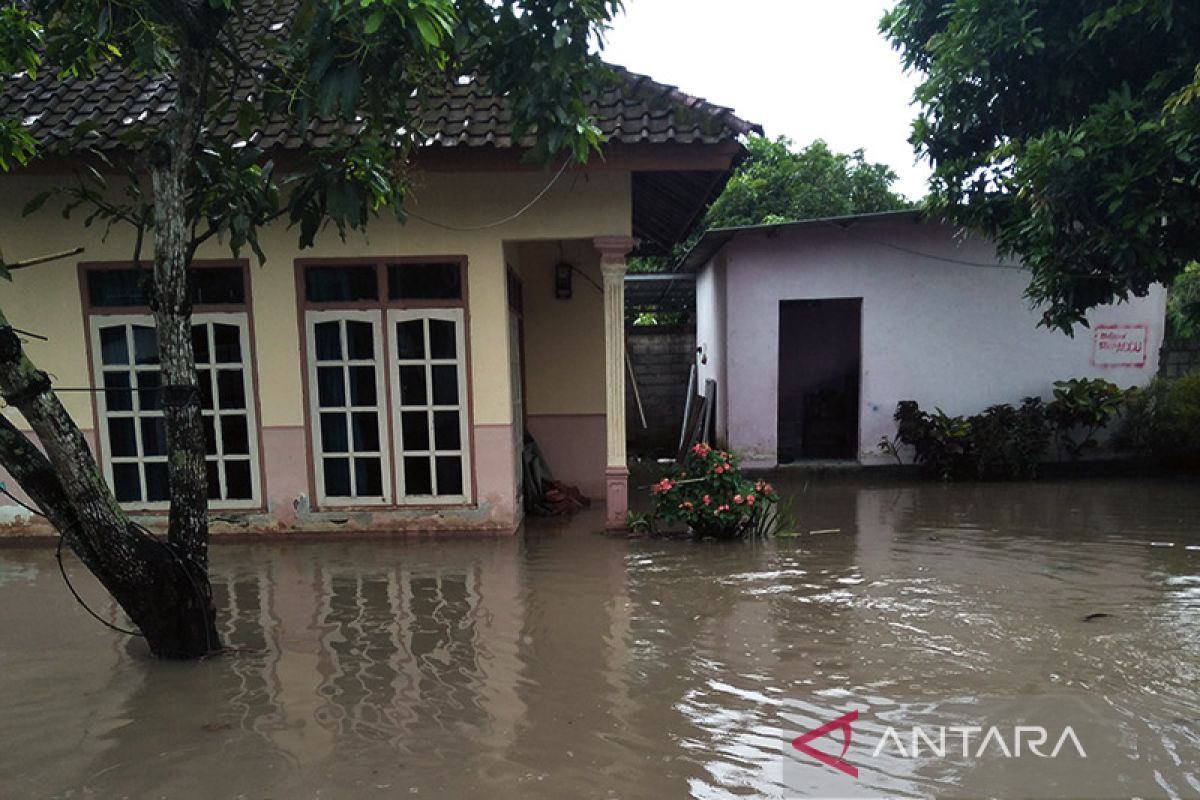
x,y
574,447
289,507
616,498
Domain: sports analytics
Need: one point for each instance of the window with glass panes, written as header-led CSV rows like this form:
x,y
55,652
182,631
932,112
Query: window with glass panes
x,y
430,402
132,426
345,367
386,353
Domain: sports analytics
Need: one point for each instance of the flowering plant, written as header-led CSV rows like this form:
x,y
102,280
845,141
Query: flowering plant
x,y
709,494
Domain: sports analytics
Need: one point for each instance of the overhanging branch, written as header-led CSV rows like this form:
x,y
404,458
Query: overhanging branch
x,y
29,262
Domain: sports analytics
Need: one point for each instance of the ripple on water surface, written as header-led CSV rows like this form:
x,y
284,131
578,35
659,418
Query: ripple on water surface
x,y
563,663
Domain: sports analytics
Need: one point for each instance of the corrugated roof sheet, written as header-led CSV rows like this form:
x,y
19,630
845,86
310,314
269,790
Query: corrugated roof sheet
x,y
715,239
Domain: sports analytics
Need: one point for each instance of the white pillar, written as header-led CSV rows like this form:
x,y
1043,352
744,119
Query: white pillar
x,y
613,250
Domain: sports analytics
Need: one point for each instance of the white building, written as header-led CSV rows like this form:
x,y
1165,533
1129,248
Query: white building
x,y
815,330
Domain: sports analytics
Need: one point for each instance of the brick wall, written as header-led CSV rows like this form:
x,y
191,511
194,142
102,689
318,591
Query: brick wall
x,y
1179,357
662,357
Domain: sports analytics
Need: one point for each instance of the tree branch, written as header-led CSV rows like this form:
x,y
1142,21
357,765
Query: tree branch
x,y
29,262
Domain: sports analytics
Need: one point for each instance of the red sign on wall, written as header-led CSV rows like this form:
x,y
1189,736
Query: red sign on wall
x,y
1120,345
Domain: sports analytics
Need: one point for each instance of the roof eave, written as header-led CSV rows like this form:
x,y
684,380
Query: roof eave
x,y
714,240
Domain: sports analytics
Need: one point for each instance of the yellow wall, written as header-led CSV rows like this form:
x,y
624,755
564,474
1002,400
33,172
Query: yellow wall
x,y
564,339
581,205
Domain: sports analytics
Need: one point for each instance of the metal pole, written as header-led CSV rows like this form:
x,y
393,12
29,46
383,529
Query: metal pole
x,y
687,407
637,395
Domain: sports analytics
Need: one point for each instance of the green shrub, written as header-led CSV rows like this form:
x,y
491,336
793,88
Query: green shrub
x,y
1161,422
1139,431
1002,443
940,442
1081,408
1010,443
1182,415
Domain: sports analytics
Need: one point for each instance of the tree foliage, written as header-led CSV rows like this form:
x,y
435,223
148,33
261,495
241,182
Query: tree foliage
x,y
775,182
20,37
1183,302
1070,132
778,183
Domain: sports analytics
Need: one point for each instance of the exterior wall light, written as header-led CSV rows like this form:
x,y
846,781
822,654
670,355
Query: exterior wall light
x,y
562,280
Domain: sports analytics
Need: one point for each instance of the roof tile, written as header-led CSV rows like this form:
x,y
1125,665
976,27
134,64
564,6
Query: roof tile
x,y
633,109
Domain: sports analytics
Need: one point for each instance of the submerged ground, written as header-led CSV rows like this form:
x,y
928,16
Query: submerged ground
x,y
563,663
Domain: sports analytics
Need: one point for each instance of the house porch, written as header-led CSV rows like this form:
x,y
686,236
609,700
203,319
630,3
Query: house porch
x,y
567,348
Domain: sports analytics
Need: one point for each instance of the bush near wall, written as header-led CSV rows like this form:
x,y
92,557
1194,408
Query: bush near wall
x,y
1159,423
1001,443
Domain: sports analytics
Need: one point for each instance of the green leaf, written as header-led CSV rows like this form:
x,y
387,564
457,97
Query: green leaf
x,y
429,33
373,23
36,202
248,119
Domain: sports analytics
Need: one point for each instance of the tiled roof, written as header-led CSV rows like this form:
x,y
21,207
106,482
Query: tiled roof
x,y
632,110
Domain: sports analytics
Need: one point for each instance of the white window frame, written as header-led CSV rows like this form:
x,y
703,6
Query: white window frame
x,y
456,316
239,319
312,318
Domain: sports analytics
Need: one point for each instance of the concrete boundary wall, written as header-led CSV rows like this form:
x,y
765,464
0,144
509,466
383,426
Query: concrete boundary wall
x,y
1179,357
662,357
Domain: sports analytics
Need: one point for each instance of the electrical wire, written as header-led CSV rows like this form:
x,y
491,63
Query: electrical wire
x,y
933,257
499,222
587,278
204,597
63,570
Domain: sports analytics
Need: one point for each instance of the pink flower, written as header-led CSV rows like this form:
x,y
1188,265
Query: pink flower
x,y
723,507
686,505
749,499
737,499
702,449
718,469
707,500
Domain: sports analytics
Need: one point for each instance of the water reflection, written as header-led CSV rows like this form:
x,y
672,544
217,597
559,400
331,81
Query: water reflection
x,y
565,663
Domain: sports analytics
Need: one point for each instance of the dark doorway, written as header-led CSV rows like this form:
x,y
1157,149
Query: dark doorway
x,y
820,364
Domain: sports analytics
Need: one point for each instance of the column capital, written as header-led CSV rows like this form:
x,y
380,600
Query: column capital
x,y
613,249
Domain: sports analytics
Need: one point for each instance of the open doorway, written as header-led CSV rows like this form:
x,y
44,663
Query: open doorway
x,y
820,368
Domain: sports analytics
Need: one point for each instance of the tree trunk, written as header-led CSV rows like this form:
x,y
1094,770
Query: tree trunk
x,y
163,586
161,590
171,300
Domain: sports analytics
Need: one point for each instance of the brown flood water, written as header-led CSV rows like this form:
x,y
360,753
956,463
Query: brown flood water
x,y
566,664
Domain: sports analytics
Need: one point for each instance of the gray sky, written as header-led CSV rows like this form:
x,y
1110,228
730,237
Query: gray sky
x,y
806,69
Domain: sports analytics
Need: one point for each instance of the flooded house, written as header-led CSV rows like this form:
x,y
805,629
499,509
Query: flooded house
x,y
813,331
385,381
